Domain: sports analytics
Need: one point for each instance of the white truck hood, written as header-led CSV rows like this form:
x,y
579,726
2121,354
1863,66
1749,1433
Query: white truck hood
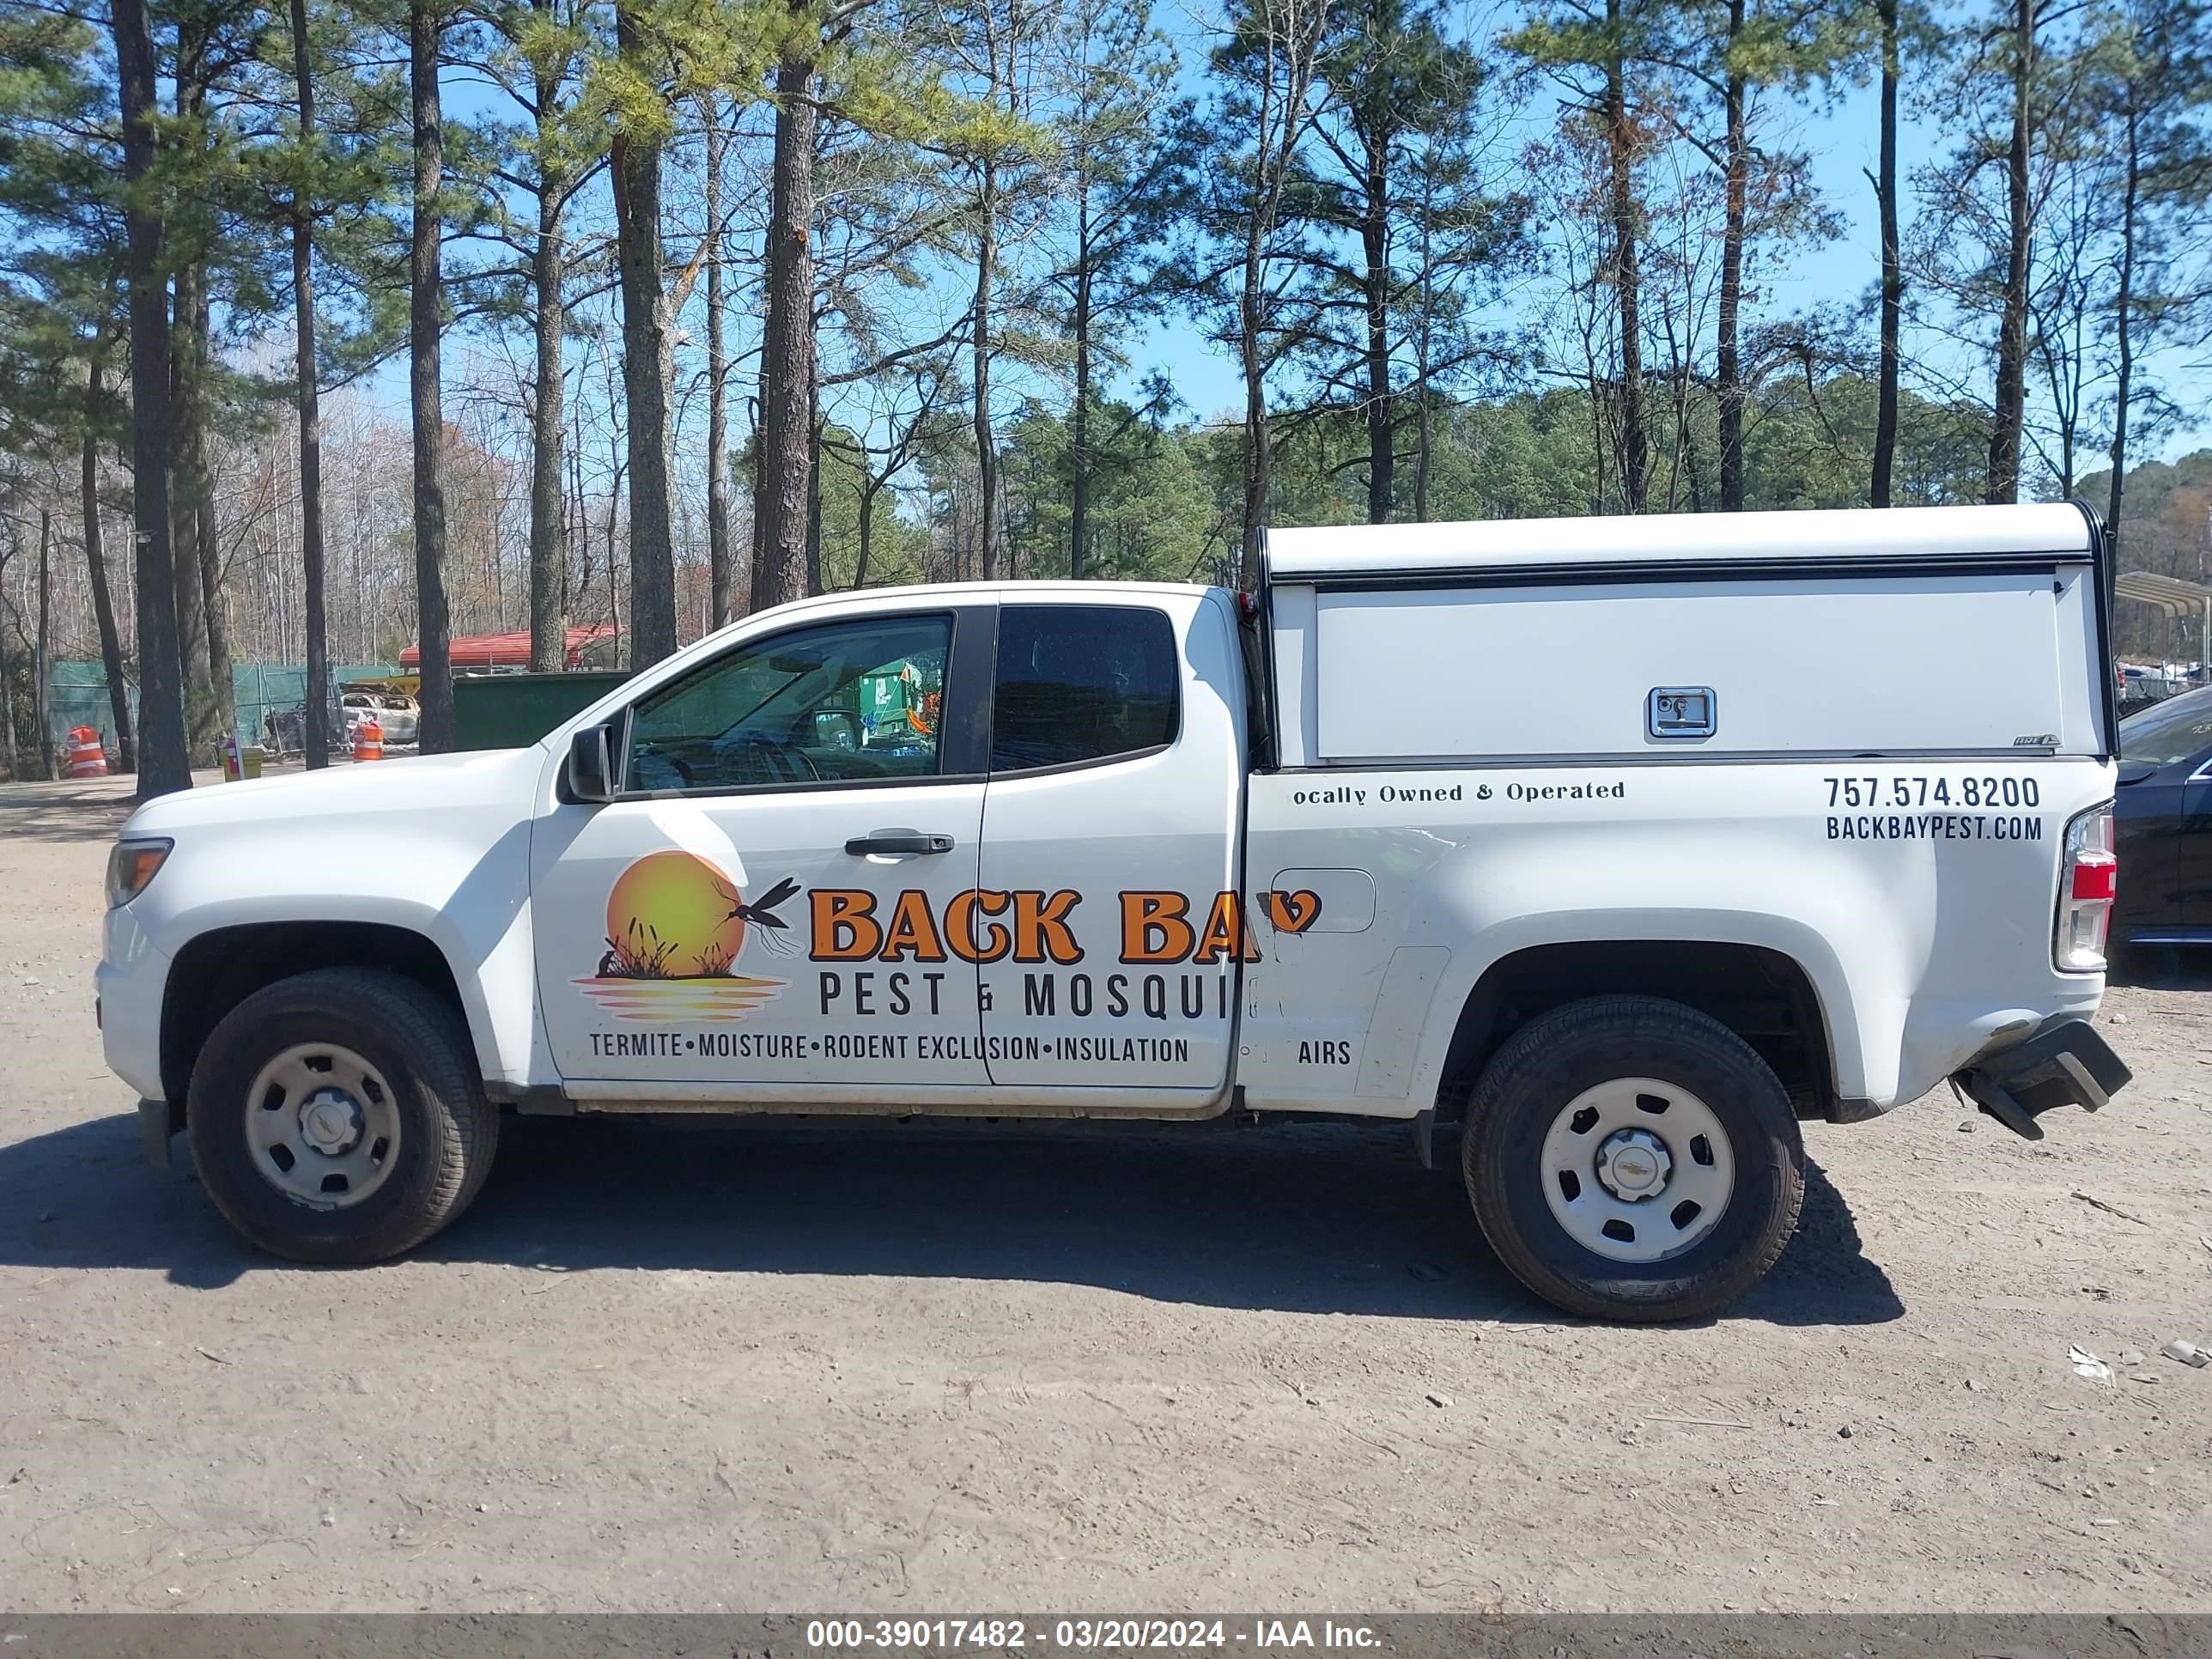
x,y
500,779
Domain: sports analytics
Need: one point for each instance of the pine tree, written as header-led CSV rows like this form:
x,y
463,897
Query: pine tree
x,y
540,54
1402,219
426,28
1252,135
164,762
1118,144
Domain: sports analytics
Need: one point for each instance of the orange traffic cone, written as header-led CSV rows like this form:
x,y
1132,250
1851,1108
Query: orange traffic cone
x,y
86,757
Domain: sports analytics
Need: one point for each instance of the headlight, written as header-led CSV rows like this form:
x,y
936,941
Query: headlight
x,y
131,865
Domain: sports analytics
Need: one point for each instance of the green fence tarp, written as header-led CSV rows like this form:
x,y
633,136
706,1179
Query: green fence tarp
x,y
77,694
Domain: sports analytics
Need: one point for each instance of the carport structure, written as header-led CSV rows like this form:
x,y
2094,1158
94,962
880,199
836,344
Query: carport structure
x,y
2176,598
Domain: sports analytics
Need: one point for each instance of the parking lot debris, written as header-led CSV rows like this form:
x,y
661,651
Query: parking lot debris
x,y
2132,1356
2186,1352
1440,1400
2087,1364
2100,1204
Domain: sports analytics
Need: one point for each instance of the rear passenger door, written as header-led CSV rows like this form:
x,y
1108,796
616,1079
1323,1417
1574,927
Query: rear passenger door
x,y
1111,924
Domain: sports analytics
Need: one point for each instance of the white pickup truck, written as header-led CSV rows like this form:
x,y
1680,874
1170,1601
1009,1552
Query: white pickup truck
x,y
1618,845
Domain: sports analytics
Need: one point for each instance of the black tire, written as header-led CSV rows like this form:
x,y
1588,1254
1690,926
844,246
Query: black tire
x,y
1554,1058
448,1130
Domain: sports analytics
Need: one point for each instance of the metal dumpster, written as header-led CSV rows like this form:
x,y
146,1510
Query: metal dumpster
x,y
509,711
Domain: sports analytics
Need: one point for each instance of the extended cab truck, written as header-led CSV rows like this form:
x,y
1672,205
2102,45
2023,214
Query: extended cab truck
x,y
1170,852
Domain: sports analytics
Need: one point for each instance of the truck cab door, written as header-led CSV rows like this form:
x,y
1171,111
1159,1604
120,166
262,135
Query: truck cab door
x,y
1113,929
762,908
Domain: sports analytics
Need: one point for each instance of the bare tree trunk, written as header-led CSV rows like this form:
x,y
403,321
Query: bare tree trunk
x,y
1730,363
814,581
187,497
42,654
866,526
549,527
647,350
1078,506
315,724
95,560
2123,329
1620,150
10,756
785,451
721,571
163,764
1374,240
618,471
426,30
987,447
1259,445
208,548
1423,409
1878,493
2011,403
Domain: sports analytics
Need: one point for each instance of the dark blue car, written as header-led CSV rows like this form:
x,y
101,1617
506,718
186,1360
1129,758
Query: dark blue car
x,y
2164,824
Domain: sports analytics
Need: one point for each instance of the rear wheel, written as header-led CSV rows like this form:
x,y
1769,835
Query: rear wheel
x,y
337,1117
1631,1158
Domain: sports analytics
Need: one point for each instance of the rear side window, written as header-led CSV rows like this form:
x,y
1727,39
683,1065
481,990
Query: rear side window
x,y
1081,683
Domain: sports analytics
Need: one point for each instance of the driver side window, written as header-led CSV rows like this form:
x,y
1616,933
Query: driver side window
x,y
839,703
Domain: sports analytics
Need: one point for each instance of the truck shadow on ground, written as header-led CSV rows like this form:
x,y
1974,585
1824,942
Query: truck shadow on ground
x,y
1312,1218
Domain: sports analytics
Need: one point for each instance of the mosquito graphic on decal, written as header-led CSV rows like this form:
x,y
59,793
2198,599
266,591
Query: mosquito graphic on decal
x,y
676,925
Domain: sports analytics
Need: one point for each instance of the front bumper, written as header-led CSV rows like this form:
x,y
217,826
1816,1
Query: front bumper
x,y
2065,1062
130,982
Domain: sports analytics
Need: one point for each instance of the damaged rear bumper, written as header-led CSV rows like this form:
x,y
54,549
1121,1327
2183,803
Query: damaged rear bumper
x,y
2064,1063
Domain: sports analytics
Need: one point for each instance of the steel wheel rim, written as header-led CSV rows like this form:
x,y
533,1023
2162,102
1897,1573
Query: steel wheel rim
x,y
1636,1170
322,1126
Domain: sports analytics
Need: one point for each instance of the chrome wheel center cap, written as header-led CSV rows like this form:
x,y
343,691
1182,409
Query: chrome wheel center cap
x,y
1634,1164
331,1122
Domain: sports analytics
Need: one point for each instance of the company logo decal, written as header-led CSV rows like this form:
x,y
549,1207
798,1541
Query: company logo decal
x,y
676,927
1291,913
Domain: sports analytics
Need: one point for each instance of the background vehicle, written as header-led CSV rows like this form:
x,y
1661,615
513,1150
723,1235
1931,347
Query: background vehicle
x,y
2163,818
398,716
283,731
2144,687
1163,852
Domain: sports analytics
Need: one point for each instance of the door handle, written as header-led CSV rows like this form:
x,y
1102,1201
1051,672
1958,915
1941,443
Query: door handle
x,y
898,841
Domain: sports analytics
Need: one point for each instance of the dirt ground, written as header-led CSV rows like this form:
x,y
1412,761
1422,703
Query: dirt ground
x,y
706,1367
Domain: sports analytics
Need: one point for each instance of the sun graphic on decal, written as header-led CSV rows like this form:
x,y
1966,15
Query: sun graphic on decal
x,y
675,926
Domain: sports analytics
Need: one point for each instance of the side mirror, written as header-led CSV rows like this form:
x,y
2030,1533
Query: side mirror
x,y
591,763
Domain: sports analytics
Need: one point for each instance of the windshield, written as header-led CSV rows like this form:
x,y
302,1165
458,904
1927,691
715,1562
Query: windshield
x,y
2172,731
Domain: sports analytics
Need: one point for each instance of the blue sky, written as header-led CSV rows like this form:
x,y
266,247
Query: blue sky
x,y
1837,130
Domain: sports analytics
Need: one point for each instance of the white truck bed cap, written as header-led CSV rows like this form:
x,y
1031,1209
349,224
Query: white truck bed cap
x,y
1917,533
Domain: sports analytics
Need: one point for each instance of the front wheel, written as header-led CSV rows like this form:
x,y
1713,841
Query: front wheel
x,y
1631,1158
337,1117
